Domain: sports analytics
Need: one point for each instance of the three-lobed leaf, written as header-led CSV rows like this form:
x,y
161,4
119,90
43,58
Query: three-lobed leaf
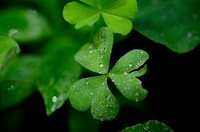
x,y
93,92
116,13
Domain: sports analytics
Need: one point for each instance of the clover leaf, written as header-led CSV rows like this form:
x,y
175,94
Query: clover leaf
x,y
93,92
95,56
124,76
149,126
115,13
8,49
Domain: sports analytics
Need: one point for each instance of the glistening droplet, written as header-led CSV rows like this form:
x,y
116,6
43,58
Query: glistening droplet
x,y
54,99
101,65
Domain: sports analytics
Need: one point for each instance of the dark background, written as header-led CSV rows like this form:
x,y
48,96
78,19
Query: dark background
x,y
172,81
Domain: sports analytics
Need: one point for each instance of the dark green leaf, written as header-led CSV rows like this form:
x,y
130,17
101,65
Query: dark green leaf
x,y
96,56
18,79
174,24
93,92
150,126
8,49
58,71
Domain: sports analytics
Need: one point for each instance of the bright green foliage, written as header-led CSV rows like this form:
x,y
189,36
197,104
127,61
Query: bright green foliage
x,y
96,55
58,72
173,23
124,76
94,92
18,79
23,25
130,61
8,49
150,126
116,13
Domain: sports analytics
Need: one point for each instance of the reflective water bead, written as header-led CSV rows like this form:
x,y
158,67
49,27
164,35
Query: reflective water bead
x,y
54,99
100,65
86,82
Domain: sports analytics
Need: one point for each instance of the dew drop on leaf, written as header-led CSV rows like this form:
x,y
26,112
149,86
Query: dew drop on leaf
x,y
101,65
54,99
10,88
136,94
12,31
130,65
86,82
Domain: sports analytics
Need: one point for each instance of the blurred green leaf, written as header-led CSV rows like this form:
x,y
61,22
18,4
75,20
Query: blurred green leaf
x,y
173,23
18,79
23,24
150,126
93,92
96,56
116,14
58,71
8,49
124,76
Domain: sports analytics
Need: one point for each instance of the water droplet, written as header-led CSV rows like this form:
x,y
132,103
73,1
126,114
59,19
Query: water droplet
x,y
12,31
101,56
125,73
146,127
54,99
91,47
105,49
91,93
189,34
103,83
130,65
137,94
108,98
91,51
101,65
11,88
86,82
